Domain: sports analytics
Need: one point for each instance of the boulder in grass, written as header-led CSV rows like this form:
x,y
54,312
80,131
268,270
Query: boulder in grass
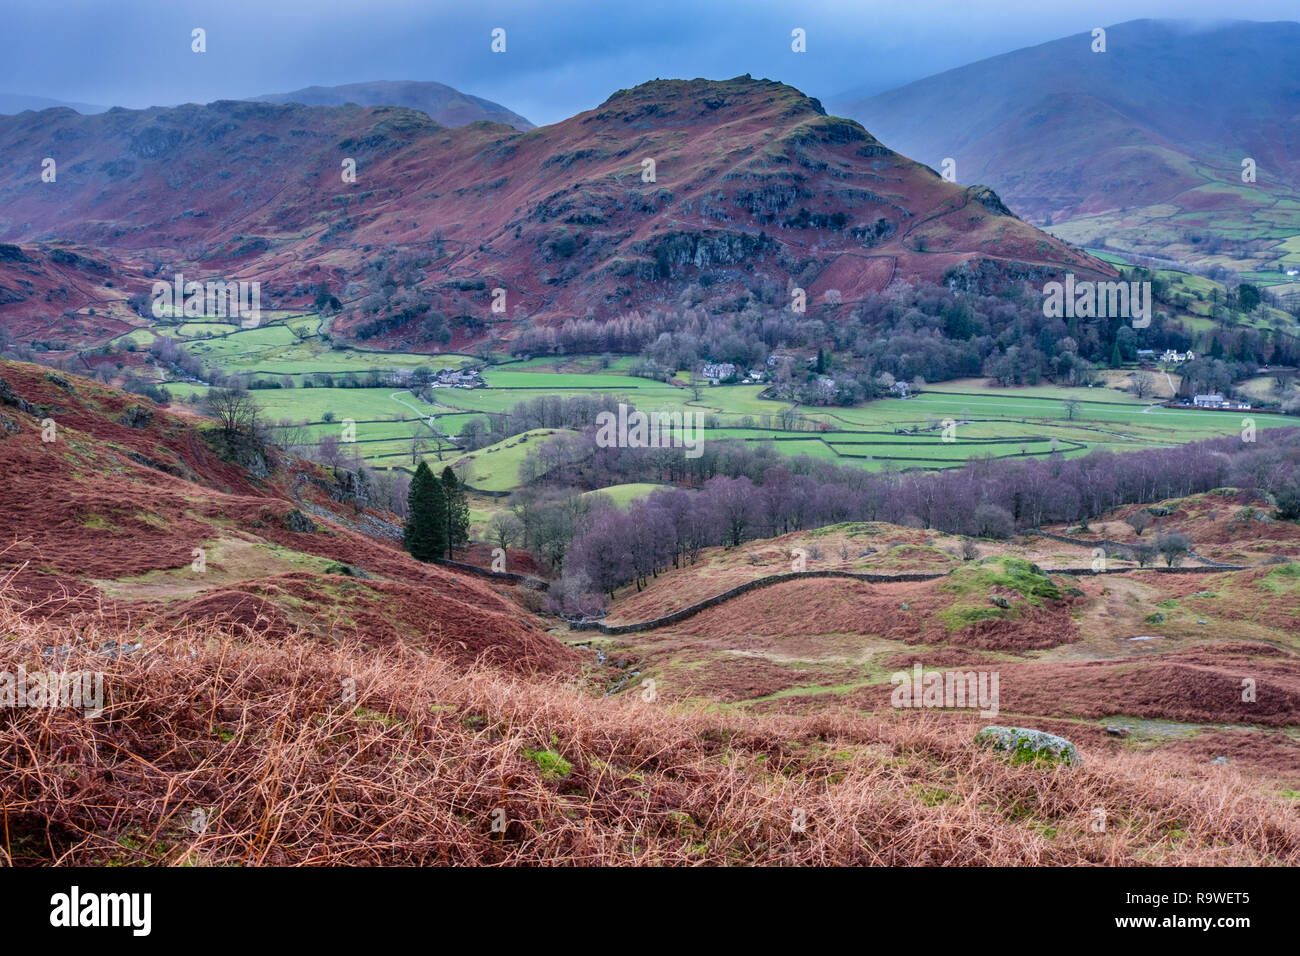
x,y
137,416
60,382
299,523
9,397
1030,745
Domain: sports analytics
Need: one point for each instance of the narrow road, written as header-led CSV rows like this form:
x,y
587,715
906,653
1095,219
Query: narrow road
x,y
428,420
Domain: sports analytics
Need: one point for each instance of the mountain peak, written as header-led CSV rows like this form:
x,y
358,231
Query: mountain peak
x,y
688,99
730,185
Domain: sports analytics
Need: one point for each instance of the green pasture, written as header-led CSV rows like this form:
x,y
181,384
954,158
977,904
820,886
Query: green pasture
x,y
624,495
496,467
889,433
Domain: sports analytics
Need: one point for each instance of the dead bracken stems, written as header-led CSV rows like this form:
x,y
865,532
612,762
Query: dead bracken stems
x,y
219,747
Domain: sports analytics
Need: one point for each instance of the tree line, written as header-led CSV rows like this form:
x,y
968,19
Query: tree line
x,y
907,332
986,498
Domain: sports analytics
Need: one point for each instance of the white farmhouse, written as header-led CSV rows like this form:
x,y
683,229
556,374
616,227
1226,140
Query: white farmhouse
x,y
717,372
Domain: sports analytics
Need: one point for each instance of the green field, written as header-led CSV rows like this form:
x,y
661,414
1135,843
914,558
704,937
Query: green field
x,y
496,467
982,421
284,344
1262,221
624,495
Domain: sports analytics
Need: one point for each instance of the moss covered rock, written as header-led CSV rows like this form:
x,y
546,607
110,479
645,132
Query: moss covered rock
x,y
1030,745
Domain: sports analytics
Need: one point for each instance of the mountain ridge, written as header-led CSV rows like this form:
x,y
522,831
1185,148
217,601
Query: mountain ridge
x,y
1068,136
753,183
12,103
444,104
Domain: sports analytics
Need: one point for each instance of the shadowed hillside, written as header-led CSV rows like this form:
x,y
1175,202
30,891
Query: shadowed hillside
x,y
1139,148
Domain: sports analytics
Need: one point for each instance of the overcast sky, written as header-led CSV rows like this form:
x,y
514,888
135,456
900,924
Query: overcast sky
x,y
561,57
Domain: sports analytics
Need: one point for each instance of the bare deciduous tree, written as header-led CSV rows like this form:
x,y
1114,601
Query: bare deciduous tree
x,y
290,435
1144,383
1144,554
1172,547
504,529
234,408
1139,521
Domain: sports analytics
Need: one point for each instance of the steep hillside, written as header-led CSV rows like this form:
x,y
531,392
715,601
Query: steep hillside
x,y
40,283
1141,145
755,187
443,104
135,509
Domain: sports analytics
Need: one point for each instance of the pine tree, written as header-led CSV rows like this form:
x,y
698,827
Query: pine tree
x,y
457,505
1248,296
425,535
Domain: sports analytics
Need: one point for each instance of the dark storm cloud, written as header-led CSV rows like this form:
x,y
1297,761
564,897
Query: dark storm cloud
x,y
562,57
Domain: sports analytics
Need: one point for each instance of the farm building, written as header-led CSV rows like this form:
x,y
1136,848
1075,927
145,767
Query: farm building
x,y
459,378
717,372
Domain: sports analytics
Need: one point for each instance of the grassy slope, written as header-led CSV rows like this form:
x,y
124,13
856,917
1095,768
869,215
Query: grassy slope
x,y
451,722
1062,642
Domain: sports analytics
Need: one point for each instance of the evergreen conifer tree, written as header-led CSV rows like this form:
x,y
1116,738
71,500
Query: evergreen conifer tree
x,y
425,535
456,503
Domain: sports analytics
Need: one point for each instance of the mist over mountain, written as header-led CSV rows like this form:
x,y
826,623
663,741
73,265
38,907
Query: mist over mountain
x,y
1143,144
17,102
443,104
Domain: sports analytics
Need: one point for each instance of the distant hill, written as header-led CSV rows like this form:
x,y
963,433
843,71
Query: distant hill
x,y
1138,148
756,190
443,104
17,102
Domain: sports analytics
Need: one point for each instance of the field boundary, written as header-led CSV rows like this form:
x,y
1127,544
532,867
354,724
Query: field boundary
x,y
692,609
1110,545
536,584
